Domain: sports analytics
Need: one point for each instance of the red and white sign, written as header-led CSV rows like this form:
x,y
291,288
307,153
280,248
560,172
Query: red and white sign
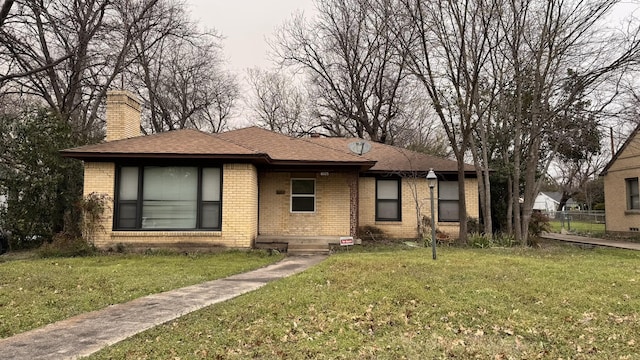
x,y
346,240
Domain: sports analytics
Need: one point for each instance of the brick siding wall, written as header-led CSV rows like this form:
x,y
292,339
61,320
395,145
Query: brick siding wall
x,y
239,213
331,217
618,218
407,228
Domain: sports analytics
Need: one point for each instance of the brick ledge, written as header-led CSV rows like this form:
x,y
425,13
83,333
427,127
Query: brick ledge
x,y
118,234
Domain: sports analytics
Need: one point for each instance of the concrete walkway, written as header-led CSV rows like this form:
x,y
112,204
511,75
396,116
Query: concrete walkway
x,y
592,241
85,334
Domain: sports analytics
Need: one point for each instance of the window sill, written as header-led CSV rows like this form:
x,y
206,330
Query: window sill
x,y
388,222
194,233
632,212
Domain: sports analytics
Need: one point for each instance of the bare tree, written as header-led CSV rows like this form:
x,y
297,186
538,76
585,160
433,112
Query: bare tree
x,y
279,104
224,92
512,71
418,127
5,8
557,53
69,53
179,73
450,43
180,78
356,72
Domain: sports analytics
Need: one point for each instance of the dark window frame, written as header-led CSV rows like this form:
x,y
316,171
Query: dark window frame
x,y
301,195
117,226
397,201
631,184
119,203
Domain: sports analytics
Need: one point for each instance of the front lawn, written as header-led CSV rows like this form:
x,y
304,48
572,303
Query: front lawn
x,y
550,303
36,292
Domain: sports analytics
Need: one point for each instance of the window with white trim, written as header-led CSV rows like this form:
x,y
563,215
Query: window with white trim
x,y
168,198
303,195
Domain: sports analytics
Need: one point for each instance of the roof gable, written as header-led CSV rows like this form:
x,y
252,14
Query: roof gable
x,y
628,151
556,196
553,195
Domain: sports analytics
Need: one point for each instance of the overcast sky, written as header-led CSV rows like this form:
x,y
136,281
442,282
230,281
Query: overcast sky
x,y
245,25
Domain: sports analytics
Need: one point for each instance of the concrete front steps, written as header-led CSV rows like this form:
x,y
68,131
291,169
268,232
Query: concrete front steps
x,y
299,245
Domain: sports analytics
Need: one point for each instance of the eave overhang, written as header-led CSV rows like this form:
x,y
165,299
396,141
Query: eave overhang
x,y
257,159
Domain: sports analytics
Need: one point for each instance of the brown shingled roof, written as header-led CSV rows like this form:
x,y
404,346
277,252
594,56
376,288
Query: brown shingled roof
x,y
394,159
249,143
285,148
264,146
179,143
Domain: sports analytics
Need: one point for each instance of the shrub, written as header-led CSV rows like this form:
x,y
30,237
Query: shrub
x,y
66,245
504,240
473,226
371,233
92,207
539,223
120,248
478,240
41,186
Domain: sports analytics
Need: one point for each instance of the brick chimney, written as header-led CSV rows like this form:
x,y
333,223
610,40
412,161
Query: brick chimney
x,y
123,115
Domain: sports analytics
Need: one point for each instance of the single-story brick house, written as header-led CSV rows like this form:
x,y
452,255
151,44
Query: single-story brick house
x,y
622,189
233,189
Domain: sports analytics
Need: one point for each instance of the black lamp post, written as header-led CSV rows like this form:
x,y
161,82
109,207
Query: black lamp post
x,y
432,178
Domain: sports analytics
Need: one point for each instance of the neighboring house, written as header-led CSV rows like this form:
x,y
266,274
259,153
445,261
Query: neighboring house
x,y
621,188
546,204
187,188
549,201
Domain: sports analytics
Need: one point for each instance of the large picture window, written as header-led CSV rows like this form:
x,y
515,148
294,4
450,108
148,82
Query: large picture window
x,y
633,194
303,195
448,201
388,200
168,198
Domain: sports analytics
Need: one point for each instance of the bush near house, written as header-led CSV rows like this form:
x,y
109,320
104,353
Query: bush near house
x,y
40,185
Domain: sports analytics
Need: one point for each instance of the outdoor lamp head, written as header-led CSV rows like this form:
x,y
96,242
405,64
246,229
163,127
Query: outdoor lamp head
x,y
431,178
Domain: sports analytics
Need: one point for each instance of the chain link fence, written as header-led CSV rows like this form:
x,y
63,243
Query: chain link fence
x,y
585,222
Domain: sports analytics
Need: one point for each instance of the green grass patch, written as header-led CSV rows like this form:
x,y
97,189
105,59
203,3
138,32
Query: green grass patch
x,y
471,303
580,227
36,292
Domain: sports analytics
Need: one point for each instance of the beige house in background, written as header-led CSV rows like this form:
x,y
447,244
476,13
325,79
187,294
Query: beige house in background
x,y
621,188
250,187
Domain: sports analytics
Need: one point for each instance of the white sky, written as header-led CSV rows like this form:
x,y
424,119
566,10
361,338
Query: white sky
x,y
246,24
